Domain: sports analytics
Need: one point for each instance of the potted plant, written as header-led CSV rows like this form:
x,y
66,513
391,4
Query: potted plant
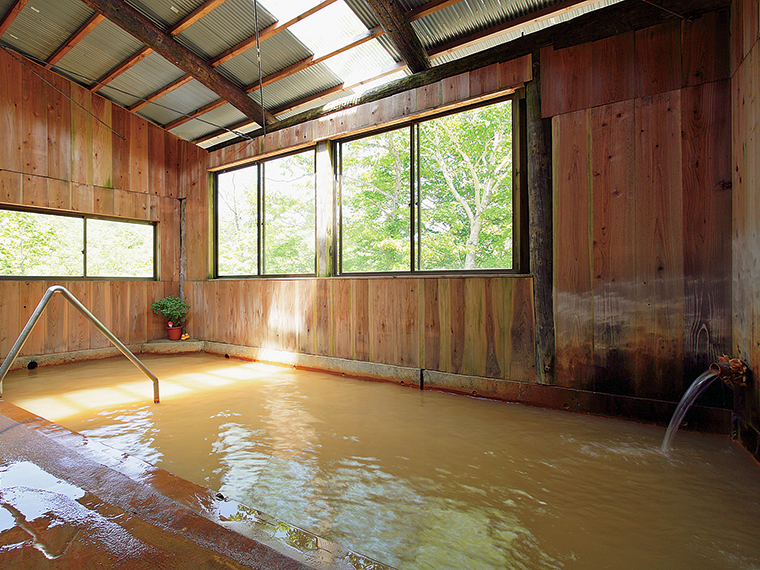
x,y
174,310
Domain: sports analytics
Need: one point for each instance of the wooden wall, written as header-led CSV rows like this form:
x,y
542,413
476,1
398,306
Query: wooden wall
x,y
477,325
481,326
745,105
642,206
61,151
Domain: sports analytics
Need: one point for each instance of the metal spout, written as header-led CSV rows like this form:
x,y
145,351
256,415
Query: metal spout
x,y
732,371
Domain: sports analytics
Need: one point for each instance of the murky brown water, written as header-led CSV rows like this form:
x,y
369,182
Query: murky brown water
x,y
420,480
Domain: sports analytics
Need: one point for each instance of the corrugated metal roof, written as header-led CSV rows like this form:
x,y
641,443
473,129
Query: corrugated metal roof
x,y
166,13
100,51
173,105
41,27
277,52
302,84
141,80
210,123
227,26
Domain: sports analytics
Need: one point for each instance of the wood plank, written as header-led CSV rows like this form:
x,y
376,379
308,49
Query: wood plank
x,y
613,65
493,309
444,312
475,338
361,325
381,322
658,59
457,308
322,329
78,331
614,246
81,136
138,155
705,49
34,119
138,311
406,337
484,80
122,125
659,247
11,124
102,142
707,235
516,72
568,79
342,325
573,298
156,161
10,322
522,346
101,306
432,329
59,194
30,294
11,186
35,190
59,127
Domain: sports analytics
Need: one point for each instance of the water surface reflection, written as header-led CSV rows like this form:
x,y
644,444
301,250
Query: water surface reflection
x,y
423,479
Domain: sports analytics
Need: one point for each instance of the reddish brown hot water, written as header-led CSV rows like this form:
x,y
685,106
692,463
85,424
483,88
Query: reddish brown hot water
x,y
420,480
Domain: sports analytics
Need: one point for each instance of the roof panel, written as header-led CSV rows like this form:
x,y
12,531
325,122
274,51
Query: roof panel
x,y
141,80
173,105
44,25
210,123
225,27
166,13
99,52
299,85
277,52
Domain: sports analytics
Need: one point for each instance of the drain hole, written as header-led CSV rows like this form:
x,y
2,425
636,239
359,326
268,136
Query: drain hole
x,y
32,365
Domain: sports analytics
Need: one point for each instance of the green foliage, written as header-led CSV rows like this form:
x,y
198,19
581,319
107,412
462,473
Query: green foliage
x,y
173,309
465,194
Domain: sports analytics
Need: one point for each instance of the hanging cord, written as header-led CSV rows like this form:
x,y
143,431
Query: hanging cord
x,y
62,70
258,58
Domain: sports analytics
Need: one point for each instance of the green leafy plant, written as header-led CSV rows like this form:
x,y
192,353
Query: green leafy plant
x,y
173,309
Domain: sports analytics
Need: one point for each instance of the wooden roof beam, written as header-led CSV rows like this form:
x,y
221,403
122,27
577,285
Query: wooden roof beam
x,y
132,21
175,30
15,10
398,27
75,38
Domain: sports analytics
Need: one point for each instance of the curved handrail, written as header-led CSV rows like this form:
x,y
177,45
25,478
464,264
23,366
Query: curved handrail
x,y
19,344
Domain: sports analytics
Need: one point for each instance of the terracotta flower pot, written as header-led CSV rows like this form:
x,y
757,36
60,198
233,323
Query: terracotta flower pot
x,y
174,333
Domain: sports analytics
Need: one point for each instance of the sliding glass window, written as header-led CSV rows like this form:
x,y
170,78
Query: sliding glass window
x,y
37,244
265,218
433,196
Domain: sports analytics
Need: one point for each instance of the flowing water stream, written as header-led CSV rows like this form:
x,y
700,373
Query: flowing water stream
x,y
420,480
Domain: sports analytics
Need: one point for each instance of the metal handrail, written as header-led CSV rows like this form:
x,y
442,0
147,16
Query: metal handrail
x,y
11,357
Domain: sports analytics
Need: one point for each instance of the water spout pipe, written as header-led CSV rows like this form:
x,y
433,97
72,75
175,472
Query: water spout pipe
x,y
732,371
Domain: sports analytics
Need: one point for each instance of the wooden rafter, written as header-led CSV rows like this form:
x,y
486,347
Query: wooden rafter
x,y
276,76
132,21
236,50
144,52
398,27
75,38
11,15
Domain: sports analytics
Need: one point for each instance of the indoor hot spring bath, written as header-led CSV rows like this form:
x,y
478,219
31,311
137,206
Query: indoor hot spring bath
x,y
419,479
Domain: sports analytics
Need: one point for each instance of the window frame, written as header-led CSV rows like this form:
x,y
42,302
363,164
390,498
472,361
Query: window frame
x,y
84,216
519,186
260,217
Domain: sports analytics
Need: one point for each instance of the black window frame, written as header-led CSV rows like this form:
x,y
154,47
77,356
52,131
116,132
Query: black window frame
x,y
260,217
519,200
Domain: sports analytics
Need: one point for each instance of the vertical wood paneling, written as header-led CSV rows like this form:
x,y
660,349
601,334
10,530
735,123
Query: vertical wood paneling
x,y
10,321
138,154
122,126
521,343
157,161
406,338
101,306
432,336
342,330
59,123
571,75
102,143
34,121
456,312
11,125
306,301
573,297
81,136
475,338
30,294
361,322
707,233
11,186
658,58
705,49
659,247
56,322
614,245
322,317
613,69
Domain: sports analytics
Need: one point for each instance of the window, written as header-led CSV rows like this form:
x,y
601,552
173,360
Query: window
x,y
36,244
265,218
433,196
